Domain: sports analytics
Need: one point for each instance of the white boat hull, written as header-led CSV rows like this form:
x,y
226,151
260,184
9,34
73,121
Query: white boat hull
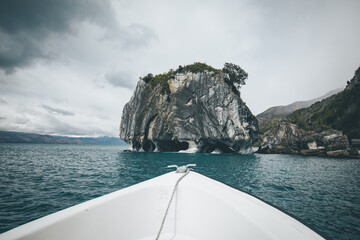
x,y
202,209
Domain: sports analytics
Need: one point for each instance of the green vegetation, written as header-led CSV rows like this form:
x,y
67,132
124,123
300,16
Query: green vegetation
x,y
340,112
196,68
267,124
236,76
234,73
283,143
257,143
148,78
160,79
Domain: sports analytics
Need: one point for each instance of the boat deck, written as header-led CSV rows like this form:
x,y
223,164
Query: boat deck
x,y
202,209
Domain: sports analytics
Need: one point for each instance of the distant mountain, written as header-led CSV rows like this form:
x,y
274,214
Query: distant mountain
x,y
283,111
20,137
330,127
340,111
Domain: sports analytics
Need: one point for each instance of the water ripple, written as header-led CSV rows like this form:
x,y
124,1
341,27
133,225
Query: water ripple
x,y
36,180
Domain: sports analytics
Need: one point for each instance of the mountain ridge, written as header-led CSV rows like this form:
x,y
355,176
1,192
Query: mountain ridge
x,y
22,137
283,111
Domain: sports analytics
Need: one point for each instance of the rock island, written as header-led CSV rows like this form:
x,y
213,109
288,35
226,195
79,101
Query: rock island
x,y
195,108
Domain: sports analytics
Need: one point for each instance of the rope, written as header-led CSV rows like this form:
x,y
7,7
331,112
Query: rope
x,y
168,207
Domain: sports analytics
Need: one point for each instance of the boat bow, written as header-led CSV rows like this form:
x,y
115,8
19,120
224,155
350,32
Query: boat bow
x,y
202,208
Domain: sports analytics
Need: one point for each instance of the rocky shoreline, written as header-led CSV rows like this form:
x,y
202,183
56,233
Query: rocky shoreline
x,y
284,137
198,108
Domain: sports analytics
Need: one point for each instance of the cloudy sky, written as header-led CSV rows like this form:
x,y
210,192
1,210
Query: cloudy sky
x,y
68,67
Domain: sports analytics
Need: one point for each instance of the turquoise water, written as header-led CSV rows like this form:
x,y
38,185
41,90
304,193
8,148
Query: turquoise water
x,y
39,179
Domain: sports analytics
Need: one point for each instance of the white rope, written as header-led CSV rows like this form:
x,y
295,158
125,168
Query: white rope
x,y
168,207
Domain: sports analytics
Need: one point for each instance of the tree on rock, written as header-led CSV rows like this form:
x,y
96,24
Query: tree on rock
x,y
148,78
236,75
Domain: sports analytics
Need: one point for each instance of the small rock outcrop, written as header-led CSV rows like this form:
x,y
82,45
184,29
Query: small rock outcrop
x,y
287,138
198,111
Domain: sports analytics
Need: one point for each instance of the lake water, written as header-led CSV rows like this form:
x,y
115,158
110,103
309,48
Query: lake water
x,y
39,179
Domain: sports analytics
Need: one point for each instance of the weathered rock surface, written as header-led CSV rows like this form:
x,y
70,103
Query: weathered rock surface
x,y
285,137
199,113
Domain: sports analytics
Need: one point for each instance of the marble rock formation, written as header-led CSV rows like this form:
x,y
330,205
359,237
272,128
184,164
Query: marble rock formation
x,y
194,112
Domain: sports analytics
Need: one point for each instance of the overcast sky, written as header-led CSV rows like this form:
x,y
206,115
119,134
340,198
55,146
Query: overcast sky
x,y
69,67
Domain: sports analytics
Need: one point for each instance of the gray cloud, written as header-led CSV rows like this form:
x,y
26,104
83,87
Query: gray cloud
x,y
121,79
3,101
57,111
22,121
64,54
56,126
25,26
138,35
18,51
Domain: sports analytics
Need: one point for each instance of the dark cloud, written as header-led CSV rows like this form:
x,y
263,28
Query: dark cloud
x,y
18,51
121,79
26,25
57,111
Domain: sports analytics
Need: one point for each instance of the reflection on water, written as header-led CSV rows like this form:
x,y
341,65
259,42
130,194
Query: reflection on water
x,y
36,180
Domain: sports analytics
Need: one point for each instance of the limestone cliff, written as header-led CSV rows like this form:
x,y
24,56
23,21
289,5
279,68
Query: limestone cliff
x,y
188,110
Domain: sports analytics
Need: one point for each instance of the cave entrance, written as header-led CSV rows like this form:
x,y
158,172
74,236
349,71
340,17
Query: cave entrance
x,y
172,145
